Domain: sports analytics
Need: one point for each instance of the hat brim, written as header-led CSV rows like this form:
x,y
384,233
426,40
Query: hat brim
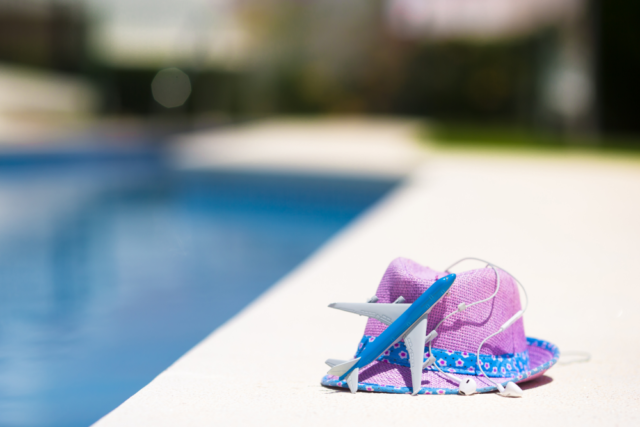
x,y
390,378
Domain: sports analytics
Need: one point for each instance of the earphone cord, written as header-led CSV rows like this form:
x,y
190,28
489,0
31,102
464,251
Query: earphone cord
x,y
470,305
520,314
502,329
478,357
526,297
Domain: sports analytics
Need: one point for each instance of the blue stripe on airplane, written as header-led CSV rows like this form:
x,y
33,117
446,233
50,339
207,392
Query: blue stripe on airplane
x,y
403,323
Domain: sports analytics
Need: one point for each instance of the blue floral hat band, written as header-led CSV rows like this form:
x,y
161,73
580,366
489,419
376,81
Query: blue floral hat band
x,y
460,362
545,353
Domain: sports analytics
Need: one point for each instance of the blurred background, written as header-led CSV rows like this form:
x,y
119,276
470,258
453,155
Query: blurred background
x,y
535,72
114,263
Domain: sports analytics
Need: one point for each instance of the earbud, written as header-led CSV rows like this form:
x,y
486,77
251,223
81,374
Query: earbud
x,y
466,387
511,390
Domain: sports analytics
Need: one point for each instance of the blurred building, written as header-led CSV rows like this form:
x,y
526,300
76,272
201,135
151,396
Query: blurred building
x,y
43,33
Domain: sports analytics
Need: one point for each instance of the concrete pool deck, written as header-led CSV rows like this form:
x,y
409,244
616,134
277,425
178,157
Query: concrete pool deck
x,y
566,226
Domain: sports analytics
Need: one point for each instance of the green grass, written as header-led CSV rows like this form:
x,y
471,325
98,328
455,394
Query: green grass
x,y
504,137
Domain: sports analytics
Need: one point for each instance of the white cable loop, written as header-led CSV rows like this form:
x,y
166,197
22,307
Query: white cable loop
x,y
469,305
519,314
526,296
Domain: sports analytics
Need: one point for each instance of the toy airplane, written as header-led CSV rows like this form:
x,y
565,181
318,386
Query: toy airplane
x,y
405,321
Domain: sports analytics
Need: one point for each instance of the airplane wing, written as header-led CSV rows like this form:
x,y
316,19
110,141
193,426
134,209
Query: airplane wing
x,y
386,313
414,342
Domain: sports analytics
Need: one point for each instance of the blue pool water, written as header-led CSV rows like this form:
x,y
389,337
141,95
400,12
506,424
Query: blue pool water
x,y
110,272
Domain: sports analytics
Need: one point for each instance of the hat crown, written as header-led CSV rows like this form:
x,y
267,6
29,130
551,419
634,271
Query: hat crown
x,y
464,331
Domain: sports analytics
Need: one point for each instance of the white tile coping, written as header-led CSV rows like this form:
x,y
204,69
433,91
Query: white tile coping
x,y
568,229
383,147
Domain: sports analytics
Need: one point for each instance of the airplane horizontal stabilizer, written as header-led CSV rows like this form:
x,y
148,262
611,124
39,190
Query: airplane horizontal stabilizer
x,y
343,368
334,362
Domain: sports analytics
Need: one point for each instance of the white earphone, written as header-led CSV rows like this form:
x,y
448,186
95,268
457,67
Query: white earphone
x,y
468,387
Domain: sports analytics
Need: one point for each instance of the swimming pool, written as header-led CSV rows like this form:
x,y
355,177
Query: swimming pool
x,y
110,271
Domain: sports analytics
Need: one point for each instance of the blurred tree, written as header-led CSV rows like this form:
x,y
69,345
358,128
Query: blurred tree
x,y
43,34
618,33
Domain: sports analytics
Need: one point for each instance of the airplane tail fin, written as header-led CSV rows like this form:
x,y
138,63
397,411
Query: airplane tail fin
x,y
352,380
340,369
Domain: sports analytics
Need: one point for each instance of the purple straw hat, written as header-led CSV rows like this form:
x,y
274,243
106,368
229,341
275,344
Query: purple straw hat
x,y
509,356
